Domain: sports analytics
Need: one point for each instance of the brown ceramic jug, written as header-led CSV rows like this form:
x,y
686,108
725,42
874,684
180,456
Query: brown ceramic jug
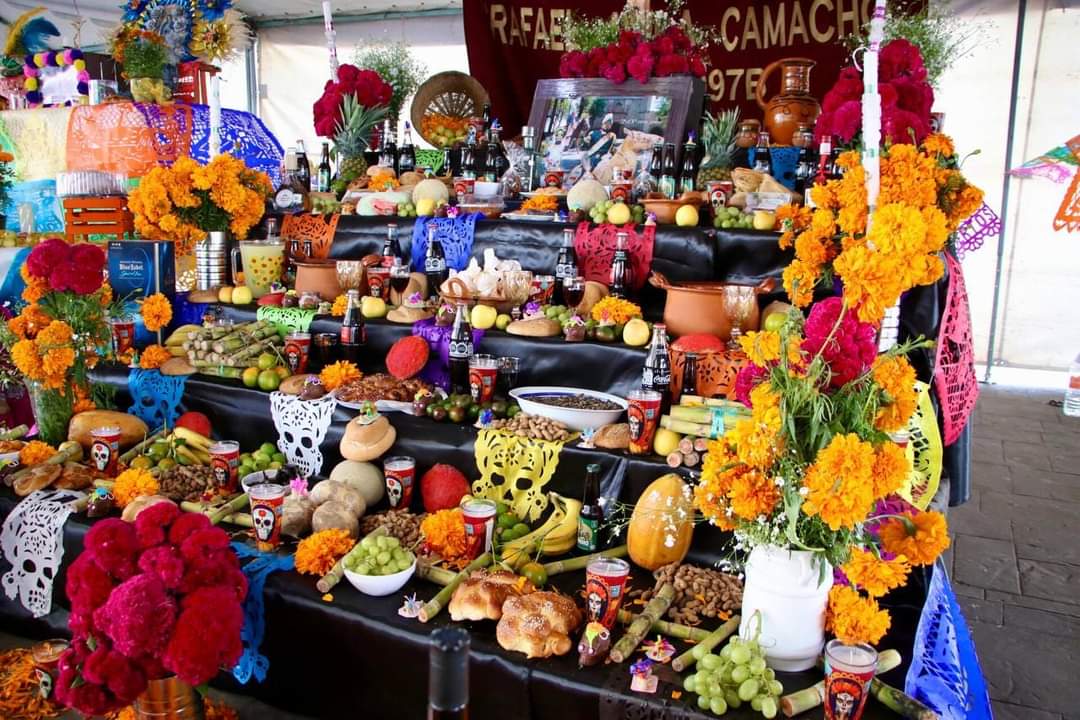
x,y
794,105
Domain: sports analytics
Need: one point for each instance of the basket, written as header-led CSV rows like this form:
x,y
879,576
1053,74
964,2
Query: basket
x,y
450,93
716,372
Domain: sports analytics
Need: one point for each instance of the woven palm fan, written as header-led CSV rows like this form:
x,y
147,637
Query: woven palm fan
x,y
449,93
924,449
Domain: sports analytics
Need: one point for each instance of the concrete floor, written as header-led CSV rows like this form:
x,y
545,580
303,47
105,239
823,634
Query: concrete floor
x,y
1014,562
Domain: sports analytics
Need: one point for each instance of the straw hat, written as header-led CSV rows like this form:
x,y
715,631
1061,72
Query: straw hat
x,y
367,437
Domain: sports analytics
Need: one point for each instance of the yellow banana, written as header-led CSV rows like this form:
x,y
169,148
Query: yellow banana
x,y
193,438
186,453
557,535
564,537
180,334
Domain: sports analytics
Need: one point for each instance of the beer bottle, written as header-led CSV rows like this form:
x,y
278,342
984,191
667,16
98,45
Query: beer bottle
x,y
388,149
468,156
592,514
565,266
620,267
688,176
656,163
435,263
303,167
325,172
497,164
407,155
353,334
656,375
668,173
461,349
689,375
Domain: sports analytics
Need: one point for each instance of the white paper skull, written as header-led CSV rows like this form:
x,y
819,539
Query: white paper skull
x,y
393,490
301,426
263,518
100,453
32,540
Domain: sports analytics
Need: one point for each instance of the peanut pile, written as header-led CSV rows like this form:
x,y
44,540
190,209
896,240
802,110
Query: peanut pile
x,y
401,523
700,593
534,426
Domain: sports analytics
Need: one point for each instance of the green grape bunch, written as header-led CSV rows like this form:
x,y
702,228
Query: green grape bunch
x,y
736,675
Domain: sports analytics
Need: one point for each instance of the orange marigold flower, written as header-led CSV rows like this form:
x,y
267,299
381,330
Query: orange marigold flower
x,y
896,378
761,347
133,483
615,311
752,494
153,357
892,468
83,405
920,537
106,294
839,483
318,553
813,249
799,281
35,452
875,575
872,282
939,144
36,288
25,356
56,334
444,533
156,312
854,619
341,302
756,442
336,375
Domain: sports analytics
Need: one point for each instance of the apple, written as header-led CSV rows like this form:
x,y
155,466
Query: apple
x,y
242,295
224,294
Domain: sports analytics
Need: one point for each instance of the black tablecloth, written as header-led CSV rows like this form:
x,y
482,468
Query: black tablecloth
x,y
329,658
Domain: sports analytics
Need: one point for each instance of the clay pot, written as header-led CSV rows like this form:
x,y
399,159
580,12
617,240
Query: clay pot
x,y
318,276
794,105
665,209
711,307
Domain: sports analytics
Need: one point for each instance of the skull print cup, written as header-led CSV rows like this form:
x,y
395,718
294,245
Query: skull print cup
x,y
267,500
400,472
105,449
605,582
848,672
263,262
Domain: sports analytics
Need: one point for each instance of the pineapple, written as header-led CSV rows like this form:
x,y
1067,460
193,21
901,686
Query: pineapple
x,y
351,138
718,134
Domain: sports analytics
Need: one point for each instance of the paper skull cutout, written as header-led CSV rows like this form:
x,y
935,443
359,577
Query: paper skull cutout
x,y
301,427
32,541
263,518
100,453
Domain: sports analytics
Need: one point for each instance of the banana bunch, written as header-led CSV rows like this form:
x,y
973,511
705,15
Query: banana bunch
x,y
179,336
191,447
556,536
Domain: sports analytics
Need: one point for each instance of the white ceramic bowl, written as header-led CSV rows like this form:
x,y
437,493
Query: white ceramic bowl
x,y
572,418
379,585
486,189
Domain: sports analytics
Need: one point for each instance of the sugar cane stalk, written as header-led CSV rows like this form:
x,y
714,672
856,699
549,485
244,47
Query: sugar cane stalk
x,y
327,582
582,562
435,605
900,702
665,627
237,503
240,340
808,698
230,373
14,433
691,656
634,634
434,573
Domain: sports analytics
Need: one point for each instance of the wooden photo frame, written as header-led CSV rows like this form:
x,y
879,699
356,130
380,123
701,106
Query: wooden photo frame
x,y
596,123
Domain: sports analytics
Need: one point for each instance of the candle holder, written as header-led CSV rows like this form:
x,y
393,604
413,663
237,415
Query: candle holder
x,y
848,672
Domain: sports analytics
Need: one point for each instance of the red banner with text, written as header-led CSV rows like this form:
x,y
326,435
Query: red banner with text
x,y
513,43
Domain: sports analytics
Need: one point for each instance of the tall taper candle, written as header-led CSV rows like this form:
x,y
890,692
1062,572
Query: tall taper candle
x,y
331,34
215,116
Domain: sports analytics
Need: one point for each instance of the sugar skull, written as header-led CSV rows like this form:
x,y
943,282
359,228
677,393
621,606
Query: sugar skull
x,y
263,518
100,453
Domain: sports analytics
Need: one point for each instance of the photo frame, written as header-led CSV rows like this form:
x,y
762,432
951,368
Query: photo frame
x,y
594,123
56,78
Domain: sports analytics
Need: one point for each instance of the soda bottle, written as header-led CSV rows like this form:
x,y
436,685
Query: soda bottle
x,y
620,267
1072,392
592,514
689,375
388,151
461,349
656,375
468,156
435,263
407,156
762,160
353,334
565,266
390,249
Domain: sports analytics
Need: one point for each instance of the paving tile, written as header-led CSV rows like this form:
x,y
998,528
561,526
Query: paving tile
x,y
1008,431
1026,455
1039,620
1064,438
983,611
1065,462
1034,603
1030,670
968,590
1050,581
986,563
970,519
988,450
989,476
1051,486
1008,711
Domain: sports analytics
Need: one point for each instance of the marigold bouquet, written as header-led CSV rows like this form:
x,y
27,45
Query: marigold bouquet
x,y
55,338
184,202
155,597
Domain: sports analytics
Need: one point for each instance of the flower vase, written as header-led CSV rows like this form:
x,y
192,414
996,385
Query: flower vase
x,y
791,590
52,411
169,699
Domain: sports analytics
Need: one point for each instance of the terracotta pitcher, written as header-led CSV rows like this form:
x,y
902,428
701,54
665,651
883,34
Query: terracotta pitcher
x,y
794,105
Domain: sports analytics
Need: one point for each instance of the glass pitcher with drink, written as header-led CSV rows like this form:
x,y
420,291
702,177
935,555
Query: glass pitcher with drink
x,y
262,261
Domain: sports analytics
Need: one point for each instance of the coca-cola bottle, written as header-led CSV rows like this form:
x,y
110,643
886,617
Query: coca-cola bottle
x,y
390,249
461,349
621,272
656,375
689,376
565,266
435,262
353,335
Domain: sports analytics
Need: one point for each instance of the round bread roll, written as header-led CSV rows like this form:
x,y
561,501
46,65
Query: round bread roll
x,y
368,441
139,504
332,490
333,514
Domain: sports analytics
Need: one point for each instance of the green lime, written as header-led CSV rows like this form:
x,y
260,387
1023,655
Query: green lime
x,y
509,535
501,508
278,458
268,448
260,457
143,462
535,573
521,529
166,464
266,361
507,520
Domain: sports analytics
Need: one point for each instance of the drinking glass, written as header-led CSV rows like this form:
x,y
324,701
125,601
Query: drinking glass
x,y
508,374
573,291
400,275
848,672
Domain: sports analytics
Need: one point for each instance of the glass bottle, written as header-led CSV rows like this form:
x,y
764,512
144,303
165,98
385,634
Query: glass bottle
x,y
689,375
325,171
669,173
448,674
566,267
497,164
407,155
656,374
461,349
303,167
534,164
762,159
621,271
468,156
688,176
391,250
592,513
435,262
388,151
656,164
353,334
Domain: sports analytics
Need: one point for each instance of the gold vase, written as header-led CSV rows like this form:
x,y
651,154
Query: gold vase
x,y
169,699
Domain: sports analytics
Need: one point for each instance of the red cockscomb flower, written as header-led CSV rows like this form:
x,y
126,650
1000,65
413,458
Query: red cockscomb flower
x,y
111,544
88,586
165,563
852,347
45,256
187,524
138,616
207,636
152,523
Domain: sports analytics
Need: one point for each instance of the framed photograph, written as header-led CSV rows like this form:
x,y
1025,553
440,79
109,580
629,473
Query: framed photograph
x,y
593,124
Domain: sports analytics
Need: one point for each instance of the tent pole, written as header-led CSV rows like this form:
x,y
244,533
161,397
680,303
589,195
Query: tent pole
x,y
1018,51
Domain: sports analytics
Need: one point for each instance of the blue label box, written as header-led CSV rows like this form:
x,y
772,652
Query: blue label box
x,y
142,267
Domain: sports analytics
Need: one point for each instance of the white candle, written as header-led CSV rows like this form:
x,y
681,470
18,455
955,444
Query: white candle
x,y
215,115
331,43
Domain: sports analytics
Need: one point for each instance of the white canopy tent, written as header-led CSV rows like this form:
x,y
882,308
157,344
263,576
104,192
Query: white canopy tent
x,y
1020,288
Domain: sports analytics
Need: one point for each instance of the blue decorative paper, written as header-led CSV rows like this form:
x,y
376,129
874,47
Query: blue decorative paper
x,y
945,673
455,234
186,312
252,662
437,370
41,194
155,397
